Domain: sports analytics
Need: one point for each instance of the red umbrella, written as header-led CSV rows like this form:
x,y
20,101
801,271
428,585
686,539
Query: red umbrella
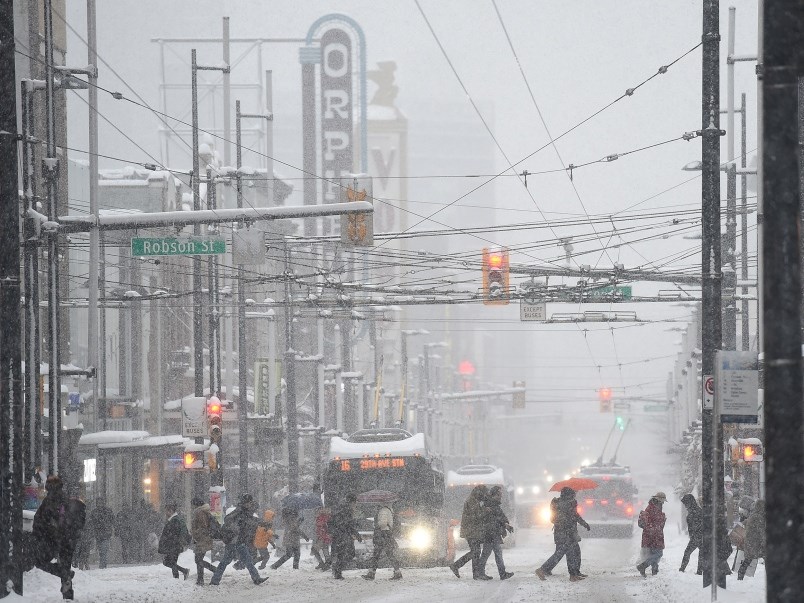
x,y
377,497
576,483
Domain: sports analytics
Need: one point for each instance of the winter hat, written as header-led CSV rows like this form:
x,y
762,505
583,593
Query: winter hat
x,y
196,502
660,496
687,500
246,499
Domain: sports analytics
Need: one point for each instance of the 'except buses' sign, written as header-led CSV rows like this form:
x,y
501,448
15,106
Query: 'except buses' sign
x,y
178,246
376,463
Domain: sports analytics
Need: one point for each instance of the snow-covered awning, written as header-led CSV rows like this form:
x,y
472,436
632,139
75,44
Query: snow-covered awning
x,y
128,439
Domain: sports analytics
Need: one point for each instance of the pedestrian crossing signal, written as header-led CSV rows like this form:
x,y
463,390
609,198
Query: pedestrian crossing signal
x,y
193,460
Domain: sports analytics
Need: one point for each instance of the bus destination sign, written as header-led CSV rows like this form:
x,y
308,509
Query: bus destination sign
x,y
368,464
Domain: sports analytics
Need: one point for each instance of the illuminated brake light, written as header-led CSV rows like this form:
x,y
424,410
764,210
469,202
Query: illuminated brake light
x,y
619,502
629,510
604,502
590,501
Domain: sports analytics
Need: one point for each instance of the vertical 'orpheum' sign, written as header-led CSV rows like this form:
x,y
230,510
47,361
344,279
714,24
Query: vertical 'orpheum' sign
x,y
336,113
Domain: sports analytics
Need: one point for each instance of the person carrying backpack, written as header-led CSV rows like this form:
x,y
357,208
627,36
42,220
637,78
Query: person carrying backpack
x,y
173,540
384,542
237,533
57,527
565,535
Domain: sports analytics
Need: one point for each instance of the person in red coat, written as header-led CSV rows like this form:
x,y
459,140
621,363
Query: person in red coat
x,y
652,520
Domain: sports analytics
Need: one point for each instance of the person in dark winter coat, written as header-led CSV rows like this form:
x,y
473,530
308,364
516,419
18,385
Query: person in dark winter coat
x,y
101,519
694,530
123,529
291,539
754,537
343,528
652,521
204,528
473,529
497,527
173,540
238,532
384,542
565,536
57,527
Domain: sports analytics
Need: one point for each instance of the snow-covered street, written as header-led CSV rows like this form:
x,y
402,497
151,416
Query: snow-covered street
x,y
609,564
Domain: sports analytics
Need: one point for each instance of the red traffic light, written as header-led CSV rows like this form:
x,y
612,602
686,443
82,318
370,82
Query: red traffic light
x,y
214,407
604,393
495,260
466,368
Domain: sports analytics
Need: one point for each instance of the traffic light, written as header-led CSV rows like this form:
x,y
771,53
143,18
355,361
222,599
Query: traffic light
x,y
193,459
215,419
751,450
620,421
496,291
604,393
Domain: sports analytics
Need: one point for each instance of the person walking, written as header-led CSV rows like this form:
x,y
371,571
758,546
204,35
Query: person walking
x,y
101,519
322,539
384,542
565,536
123,530
343,528
173,540
754,538
291,538
496,528
57,527
204,528
694,530
264,536
652,521
237,533
472,529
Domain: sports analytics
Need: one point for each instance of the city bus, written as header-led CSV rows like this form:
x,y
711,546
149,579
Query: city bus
x,y
398,462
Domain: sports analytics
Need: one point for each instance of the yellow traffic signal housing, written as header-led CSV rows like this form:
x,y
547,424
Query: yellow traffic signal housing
x,y
496,277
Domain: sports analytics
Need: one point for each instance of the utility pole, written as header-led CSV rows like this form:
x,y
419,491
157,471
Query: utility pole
x,y
198,299
94,233
11,409
33,352
711,470
50,169
783,58
290,373
745,331
212,306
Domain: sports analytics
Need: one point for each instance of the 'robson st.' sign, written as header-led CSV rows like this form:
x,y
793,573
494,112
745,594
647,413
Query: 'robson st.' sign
x,y
178,246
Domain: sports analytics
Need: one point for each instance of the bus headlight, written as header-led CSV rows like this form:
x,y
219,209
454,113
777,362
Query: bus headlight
x,y
421,538
545,514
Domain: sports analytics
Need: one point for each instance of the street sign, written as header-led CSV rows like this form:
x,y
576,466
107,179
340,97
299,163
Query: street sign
x,y
738,392
655,408
194,417
620,291
532,307
709,392
141,247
